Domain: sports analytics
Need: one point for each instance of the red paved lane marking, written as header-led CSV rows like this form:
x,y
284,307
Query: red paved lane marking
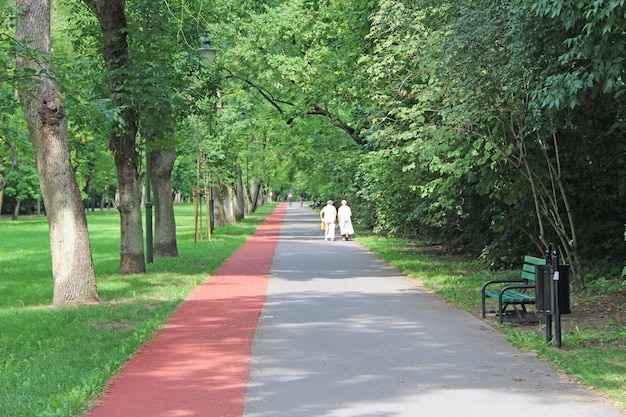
x,y
197,364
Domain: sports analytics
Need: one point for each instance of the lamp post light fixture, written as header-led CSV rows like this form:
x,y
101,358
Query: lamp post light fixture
x,y
207,52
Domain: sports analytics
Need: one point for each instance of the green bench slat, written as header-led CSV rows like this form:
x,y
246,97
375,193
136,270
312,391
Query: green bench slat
x,y
533,260
512,297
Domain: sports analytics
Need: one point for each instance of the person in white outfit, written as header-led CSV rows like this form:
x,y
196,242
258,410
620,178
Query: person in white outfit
x,y
328,215
344,216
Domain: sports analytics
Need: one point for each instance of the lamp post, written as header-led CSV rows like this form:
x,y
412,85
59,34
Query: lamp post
x,y
207,56
149,236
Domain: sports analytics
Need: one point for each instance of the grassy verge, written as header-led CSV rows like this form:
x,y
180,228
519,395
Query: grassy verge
x,y
594,335
54,361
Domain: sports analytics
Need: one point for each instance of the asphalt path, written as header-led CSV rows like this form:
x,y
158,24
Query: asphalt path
x,y
342,333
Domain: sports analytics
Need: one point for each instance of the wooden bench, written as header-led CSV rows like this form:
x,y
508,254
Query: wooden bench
x,y
513,292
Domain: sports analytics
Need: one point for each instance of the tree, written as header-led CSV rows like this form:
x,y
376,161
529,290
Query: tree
x,y
122,142
44,109
153,55
592,59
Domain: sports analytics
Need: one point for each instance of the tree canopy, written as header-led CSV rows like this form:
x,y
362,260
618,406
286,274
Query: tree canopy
x,y
491,126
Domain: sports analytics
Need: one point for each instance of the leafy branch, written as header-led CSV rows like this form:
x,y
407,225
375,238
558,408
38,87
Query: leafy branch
x,y
317,110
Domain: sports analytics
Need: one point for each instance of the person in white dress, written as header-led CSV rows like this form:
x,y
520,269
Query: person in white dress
x,y
328,215
344,215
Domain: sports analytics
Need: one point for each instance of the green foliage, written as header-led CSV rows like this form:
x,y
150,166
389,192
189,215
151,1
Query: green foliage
x,y
80,72
431,119
22,182
458,130
593,58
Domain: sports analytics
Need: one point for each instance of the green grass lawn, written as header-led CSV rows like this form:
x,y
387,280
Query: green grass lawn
x,y
54,361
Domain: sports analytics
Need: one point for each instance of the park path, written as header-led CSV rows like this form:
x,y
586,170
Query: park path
x,y
294,326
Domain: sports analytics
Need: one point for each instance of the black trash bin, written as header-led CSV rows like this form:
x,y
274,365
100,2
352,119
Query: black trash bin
x,y
563,289
543,281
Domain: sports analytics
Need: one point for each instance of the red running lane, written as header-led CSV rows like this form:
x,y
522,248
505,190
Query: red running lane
x,y
197,364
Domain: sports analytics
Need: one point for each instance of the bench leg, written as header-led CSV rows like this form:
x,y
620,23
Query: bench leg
x,y
500,310
484,310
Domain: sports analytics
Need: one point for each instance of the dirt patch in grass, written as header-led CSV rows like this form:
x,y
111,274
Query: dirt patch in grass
x,y
115,325
601,312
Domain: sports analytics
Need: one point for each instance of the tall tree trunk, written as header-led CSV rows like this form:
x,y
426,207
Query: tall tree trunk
x,y
219,211
131,250
122,142
16,210
161,164
240,203
256,193
72,265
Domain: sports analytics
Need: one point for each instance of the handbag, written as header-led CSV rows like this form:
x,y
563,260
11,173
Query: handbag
x,y
323,226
